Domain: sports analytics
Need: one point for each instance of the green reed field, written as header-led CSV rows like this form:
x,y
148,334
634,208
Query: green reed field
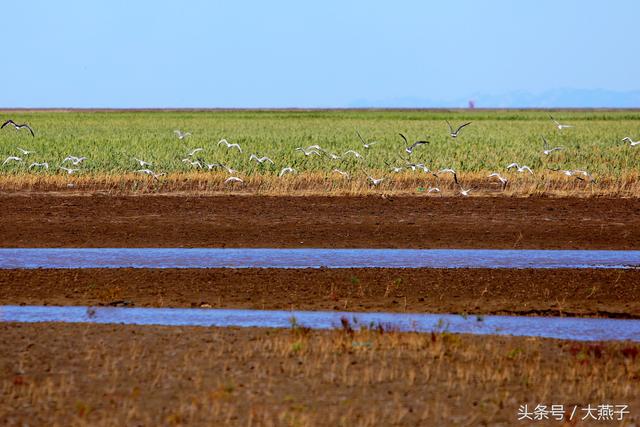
x,y
110,141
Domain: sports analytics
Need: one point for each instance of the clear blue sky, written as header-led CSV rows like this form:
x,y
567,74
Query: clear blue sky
x,y
142,53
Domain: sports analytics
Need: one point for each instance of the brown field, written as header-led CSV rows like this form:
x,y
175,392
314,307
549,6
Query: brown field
x,y
103,375
99,220
595,293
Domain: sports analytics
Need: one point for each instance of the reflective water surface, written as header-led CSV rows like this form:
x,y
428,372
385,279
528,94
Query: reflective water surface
x,y
583,329
312,258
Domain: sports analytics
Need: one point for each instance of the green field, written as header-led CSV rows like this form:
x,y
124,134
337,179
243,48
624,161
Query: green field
x,y
110,140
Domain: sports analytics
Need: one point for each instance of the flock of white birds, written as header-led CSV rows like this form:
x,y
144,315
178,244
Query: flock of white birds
x,y
314,150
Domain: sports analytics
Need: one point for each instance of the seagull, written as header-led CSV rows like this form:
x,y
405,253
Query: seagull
x,y
548,150
333,156
314,147
453,133
375,181
150,172
366,144
69,171
409,148
181,135
228,169
212,165
559,125
355,153
25,152
11,158
344,174
451,171
502,179
74,160
631,142
194,151
260,160
229,145
287,170
39,165
194,163
573,173
308,152
142,162
520,168
232,179
464,192
18,126
433,190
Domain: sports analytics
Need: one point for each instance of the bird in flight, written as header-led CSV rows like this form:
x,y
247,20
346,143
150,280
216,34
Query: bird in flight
x,y
74,160
500,178
548,150
433,190
631,142
142,162
520,168
574,173
366,144
464,192
69,171
229,145
18,126
286,171
194,151
409,148
11,159
152,173
375,181
232,179
559,125
344,174
260,160
25,152
355,153
308,151
39,165
452,172
181,135
454,134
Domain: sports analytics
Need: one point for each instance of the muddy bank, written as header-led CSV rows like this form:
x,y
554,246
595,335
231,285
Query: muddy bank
x,y
63,220
602,293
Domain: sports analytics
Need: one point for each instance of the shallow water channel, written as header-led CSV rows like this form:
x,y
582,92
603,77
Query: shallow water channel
x,y
572,328
30,258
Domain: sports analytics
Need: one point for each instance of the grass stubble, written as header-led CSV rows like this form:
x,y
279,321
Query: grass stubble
x,y
78,375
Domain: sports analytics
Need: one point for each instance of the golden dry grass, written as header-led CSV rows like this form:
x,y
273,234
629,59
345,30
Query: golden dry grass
x,y
318,183
104,375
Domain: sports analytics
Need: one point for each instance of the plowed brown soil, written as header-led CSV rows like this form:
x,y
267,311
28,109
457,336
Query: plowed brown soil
x,y
605,293
85,220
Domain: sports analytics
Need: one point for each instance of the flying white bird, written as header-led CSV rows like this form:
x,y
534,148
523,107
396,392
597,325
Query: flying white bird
x,y
409,148
74,160
25,152
69,171
344,174
452,172
260,160
433,190
314,147
142,162
500,178
287,170
333,156
229,145
559,125
375,181
464,192
574,173
194,163
39,165
18,126
232,179
181,135
152,173
520,168
194,151
548,150
308,152
355,154
453,133
366,144
228,169
11,159
631,142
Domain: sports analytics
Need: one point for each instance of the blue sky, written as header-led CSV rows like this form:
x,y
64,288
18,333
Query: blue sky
x,y
144,53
